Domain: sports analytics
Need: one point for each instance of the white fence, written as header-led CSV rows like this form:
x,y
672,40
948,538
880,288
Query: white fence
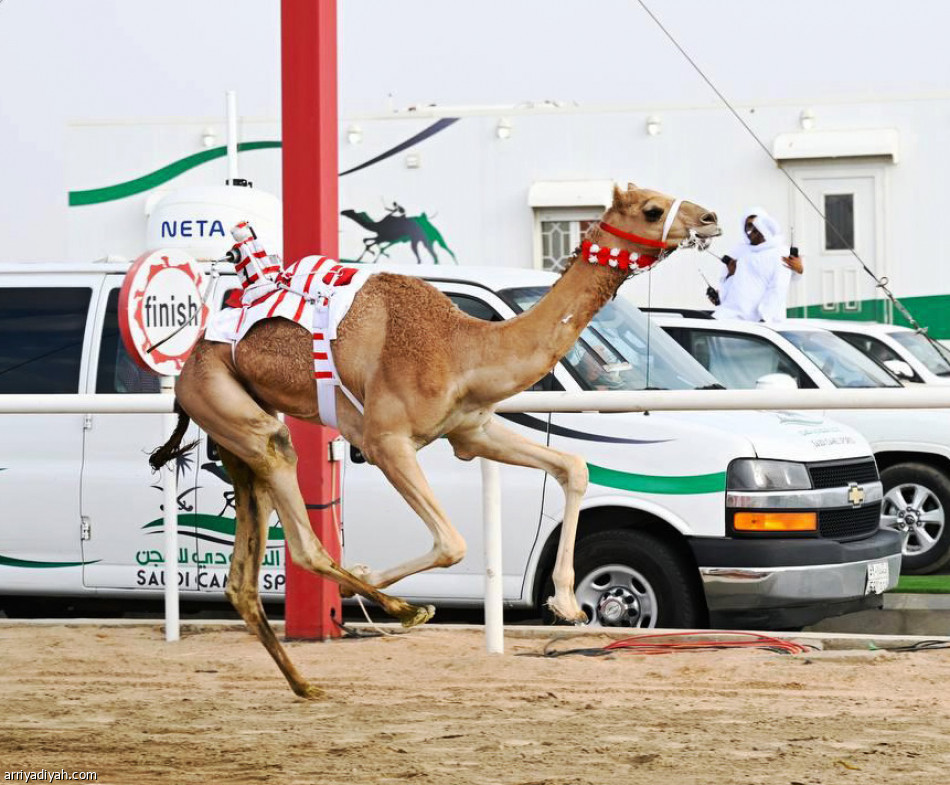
x,y
652,400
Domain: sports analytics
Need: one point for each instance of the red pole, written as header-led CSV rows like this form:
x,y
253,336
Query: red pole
x,y
311,209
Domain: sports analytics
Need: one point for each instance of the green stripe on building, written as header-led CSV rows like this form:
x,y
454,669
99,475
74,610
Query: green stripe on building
x,y
930,311
651,483
159,176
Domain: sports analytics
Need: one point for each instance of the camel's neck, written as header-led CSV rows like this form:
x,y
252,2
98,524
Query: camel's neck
x,y
522,350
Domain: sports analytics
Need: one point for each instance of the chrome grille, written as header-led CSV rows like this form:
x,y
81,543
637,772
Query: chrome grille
x,y
847,523
837,474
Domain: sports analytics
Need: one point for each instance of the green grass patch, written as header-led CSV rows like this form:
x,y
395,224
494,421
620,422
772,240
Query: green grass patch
x,y
923,584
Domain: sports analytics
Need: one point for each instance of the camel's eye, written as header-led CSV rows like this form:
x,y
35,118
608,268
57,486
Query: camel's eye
x,y
653,213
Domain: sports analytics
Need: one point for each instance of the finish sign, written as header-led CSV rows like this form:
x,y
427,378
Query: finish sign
x,y
161,309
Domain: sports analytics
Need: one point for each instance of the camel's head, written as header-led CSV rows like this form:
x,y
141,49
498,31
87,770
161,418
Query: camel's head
x,y
664,222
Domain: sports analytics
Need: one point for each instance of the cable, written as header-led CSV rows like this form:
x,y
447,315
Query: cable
x,y
335,496
880,283
927,645
672,642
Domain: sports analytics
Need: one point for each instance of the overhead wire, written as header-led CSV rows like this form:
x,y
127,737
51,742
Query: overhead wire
x,y
880,282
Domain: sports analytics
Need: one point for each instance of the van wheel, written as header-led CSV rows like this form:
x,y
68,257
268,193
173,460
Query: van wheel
x,y
630,578
917,501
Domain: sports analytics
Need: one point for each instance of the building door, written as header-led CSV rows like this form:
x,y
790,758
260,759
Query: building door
x,y
851,198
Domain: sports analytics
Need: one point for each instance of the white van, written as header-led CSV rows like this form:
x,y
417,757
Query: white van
x,y
906,353
911,446
755,519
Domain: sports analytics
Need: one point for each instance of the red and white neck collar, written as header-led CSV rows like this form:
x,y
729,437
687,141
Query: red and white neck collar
x,y
625,260
614,257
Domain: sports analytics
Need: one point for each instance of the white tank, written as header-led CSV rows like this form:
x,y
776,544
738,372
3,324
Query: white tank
x,y
200,218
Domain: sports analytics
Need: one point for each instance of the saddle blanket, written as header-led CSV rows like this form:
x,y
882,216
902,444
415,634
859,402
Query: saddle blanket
x,y
316,293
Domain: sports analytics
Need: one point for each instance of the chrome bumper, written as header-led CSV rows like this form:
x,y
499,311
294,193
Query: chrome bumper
x,y
739,588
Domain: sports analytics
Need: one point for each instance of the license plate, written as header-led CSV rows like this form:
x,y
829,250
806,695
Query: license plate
x,y
879,576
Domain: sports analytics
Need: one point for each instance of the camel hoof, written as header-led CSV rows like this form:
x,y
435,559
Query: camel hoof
x,y
308,691
574,614
417,615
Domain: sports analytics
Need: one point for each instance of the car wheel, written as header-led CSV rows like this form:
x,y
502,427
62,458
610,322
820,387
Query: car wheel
x,y
917,501
629,578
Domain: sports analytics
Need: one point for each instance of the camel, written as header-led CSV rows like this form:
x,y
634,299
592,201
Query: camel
x,y
421,369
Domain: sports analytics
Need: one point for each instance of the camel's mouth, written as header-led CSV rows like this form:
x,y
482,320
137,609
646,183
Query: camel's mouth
x,y
700,239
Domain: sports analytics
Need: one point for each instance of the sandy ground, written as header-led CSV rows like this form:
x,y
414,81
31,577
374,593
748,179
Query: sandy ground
x,y
432,707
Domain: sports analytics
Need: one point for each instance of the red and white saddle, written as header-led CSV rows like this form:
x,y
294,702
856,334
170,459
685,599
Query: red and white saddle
x,y
315,292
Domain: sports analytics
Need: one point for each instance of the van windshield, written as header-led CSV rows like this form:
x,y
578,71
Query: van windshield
x,y
622,350
935,359
839,360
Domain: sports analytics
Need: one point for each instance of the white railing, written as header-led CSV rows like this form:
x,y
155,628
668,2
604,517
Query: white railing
x,y
922,397
651,400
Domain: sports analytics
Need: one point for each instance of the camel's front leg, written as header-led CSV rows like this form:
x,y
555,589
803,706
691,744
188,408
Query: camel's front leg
x,y
495,442
396,457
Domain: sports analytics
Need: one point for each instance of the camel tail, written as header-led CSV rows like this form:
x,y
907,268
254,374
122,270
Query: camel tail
x,y
172,449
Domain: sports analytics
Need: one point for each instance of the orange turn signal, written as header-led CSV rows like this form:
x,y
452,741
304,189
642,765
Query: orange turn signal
x,y
775,521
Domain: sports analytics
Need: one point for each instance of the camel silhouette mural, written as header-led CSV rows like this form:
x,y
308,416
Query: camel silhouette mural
x,y
410,368
396,227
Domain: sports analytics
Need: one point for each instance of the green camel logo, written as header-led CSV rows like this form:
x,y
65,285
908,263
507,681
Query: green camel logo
x,y
397,227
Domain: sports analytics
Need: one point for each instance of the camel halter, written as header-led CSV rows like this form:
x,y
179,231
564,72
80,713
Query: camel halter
x,y
625,260
648,241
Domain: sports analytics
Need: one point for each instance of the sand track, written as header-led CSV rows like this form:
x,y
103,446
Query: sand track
x,y
431,707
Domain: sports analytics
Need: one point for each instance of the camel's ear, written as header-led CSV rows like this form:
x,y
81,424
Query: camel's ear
x,y
632,187
618,196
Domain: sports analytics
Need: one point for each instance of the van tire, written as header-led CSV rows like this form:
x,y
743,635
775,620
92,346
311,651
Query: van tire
x,y
901,482
629,578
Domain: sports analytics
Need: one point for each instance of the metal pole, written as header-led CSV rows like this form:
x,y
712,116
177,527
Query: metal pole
x,y
170,504
494,590
232,136
311,225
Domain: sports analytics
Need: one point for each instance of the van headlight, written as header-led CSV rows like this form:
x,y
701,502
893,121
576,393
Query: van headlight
x,y
753,474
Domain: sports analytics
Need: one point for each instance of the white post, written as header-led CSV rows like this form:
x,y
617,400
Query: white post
x,y
491,512
170,501
232,136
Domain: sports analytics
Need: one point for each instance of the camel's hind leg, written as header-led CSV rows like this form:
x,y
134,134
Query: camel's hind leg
x,y
253,505
221,406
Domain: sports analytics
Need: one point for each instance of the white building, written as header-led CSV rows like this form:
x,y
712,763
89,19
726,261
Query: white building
x,y
106,106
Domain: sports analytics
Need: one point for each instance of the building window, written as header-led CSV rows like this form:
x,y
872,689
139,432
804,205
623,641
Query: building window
x,y
561,231
839,222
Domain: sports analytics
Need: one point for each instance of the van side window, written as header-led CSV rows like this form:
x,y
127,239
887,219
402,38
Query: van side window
x,y
41,335
738,360
872,347
475,307
117,371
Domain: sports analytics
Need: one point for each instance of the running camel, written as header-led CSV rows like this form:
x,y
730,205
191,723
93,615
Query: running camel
x,y
420,369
